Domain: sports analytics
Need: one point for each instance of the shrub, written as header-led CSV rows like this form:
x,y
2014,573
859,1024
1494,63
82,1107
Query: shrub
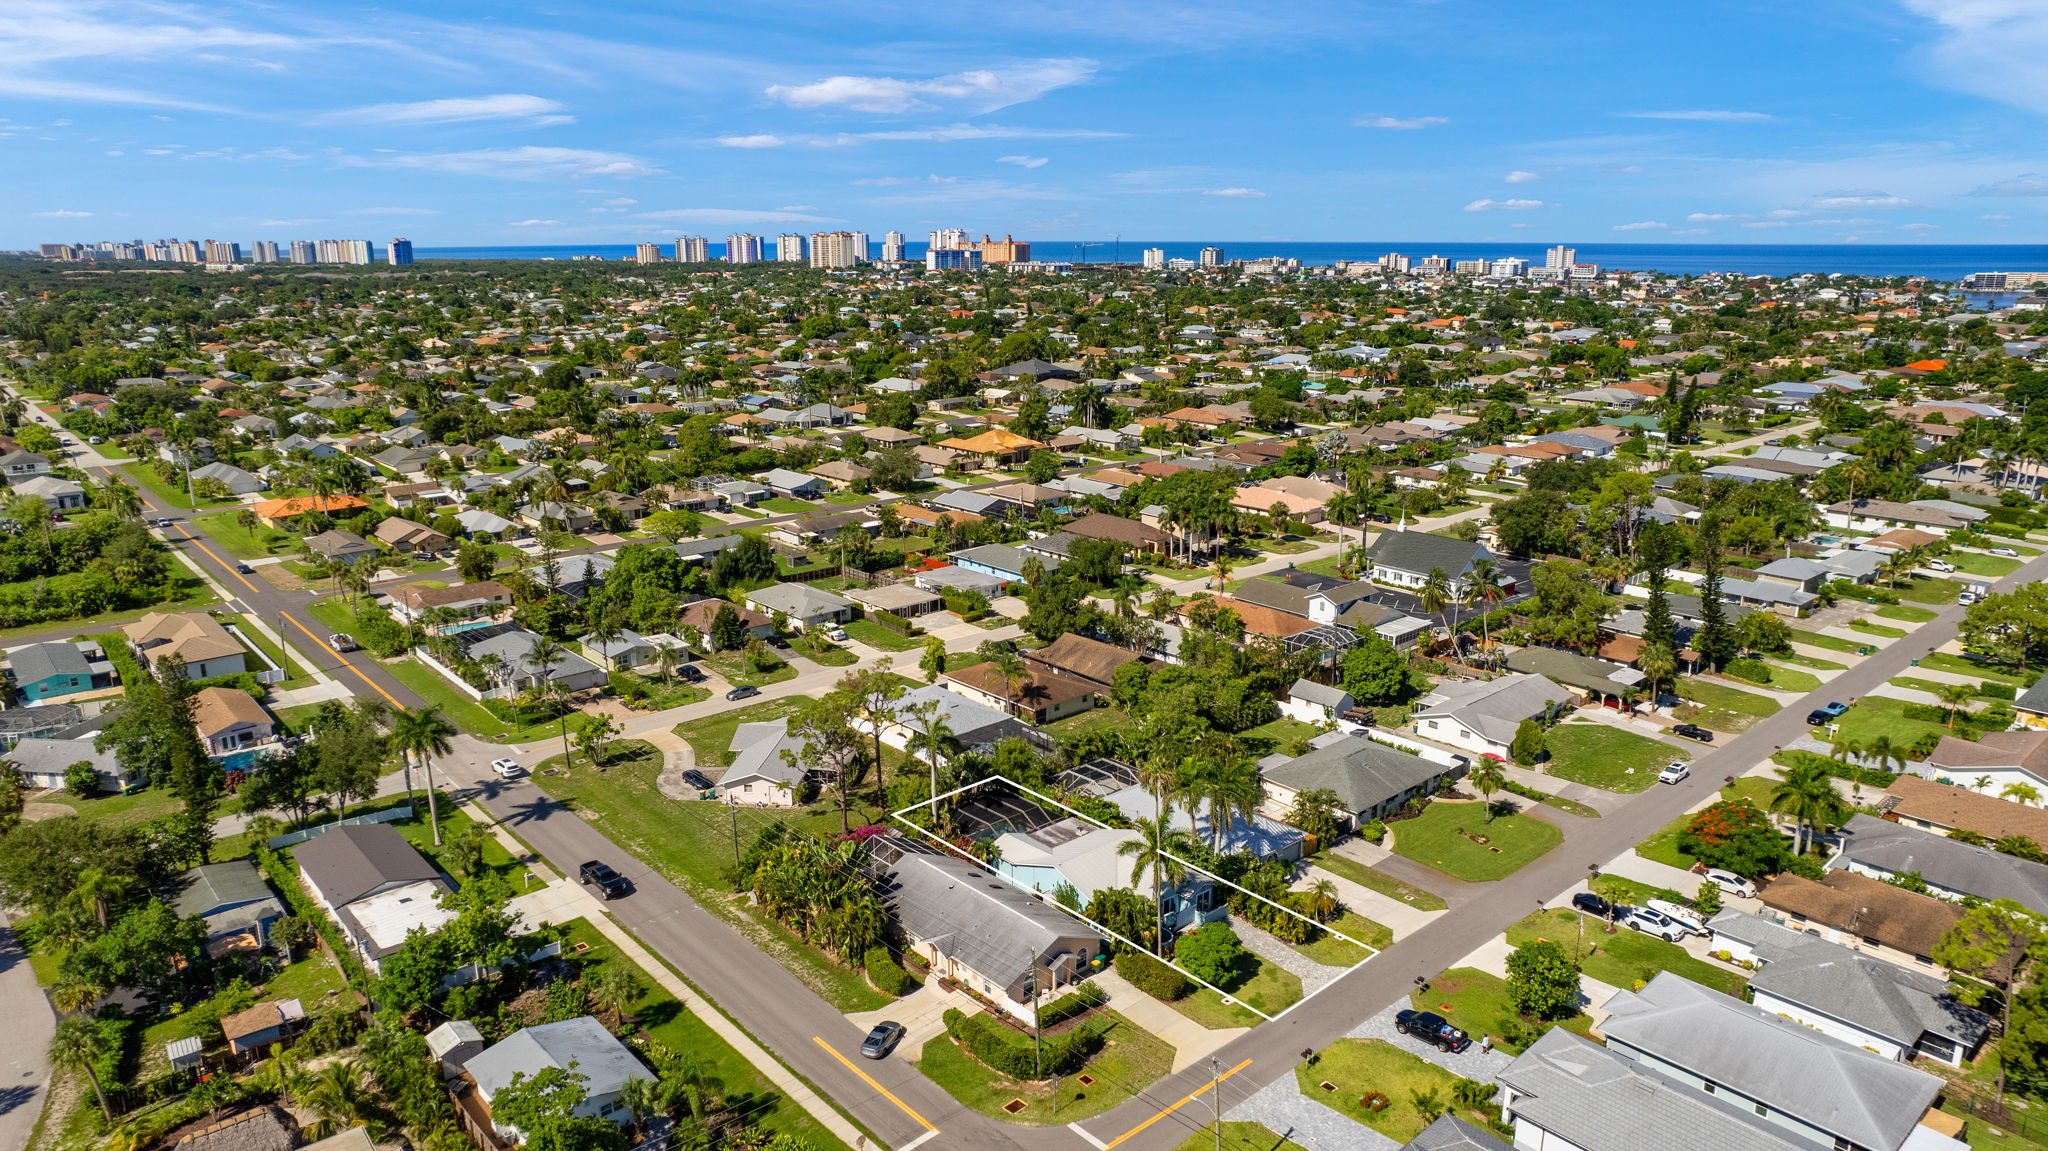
x,y
991,1043
1868,776
1211,952
1150,976
894,622
1748,670
1083,999
885,973
1373,830
1998,691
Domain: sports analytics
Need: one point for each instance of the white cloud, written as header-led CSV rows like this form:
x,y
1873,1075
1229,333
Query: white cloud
x,y
758,140
1024,161
1642,226
392,212
284,223
954,133
620,202
1235,193
1867,198
1709,217
1692,231
1995,216
1521,177
797,208
1765,224
1781,214
62,214
1505,205
982,90
1992,48
1398,124
900,181
1919,227
537,111
2023,185
528,162
535,224
722,217
1708,115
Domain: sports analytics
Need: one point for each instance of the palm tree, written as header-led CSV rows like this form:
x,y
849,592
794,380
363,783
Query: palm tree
x,y
1323,903
1659,664
98,890
1483,589
120,499
613,990
604,632
73,992
77,1046
2021,793
423,735
1899,566
354,580
1158,847
1805,792
336,1094
1486,777
670,657
934,737
1953,696
1011,666
1343,510
538,661
1435,595
1233,789
1223,565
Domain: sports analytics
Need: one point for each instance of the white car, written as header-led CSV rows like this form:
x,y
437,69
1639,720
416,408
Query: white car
x,y
1731,883
836,635
1685,917
507,768
1675,772
2006,552
1940,566
1653,922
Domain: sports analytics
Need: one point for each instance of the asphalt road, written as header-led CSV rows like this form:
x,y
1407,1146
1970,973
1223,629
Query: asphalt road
x,y
24,1070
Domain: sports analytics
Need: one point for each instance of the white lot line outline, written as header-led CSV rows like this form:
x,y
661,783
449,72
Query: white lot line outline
x,y
1370,951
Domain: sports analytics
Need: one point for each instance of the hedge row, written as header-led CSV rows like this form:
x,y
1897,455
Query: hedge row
x,y
1748,670
885,973
1868,776
992,1044
1151,976
1990,690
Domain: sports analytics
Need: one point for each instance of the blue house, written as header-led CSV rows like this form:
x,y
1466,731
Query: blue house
x,y
45,671
1001,561
1091,859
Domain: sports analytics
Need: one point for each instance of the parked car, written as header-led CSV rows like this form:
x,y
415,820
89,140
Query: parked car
x,y
697,779
1685,917
743,691
1693,731
882,1039
610,884
507,768
340,642
1432,1028
1826,713
163,523
1674,772
2004,551
690,673
1592,904
1774,443
1730,882
245,569
1652,922
1965,599
836,634
1940,566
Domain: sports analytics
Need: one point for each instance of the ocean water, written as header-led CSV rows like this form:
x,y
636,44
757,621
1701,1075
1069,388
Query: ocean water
x,y
1934,261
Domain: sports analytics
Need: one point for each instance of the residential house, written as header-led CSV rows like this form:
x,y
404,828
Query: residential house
x,y
408,537
285,513
899,599
44,671
628,650
257,1129
1899,1013
558,516
478,523
1869,915
996,446
505,650
803,605
194,637
231,721
340,547
17,466
1951,868
701,614
262,1025
375,886
1372,779
1997,760
581,1046
1044,695
44,721
42,762
234,900
58,494
1312,702
841,473
762,774
1483,716
795,485
1079,658
1002,561
1944,808
1090,858
1138,537
1587,678
1815,1088
1450,1133
986,934
469,601
1405,559
1259,836
975,726
1882,515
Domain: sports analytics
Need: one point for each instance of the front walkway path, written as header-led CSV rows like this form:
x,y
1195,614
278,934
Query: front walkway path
x,y
1191,1041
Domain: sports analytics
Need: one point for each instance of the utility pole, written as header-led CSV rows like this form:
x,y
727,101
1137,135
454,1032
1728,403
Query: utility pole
x,y
735,834
1216,1099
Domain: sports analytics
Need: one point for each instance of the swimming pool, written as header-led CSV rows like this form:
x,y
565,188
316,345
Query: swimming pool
x,y
467,625
241,760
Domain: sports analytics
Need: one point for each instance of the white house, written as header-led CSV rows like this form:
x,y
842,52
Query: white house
x,y
761,774
1312,702
580,1045
1483,716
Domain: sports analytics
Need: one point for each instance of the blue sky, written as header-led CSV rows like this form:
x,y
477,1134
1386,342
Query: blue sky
x,y
1727,121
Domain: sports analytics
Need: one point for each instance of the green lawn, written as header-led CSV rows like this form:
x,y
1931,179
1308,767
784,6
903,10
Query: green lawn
x,y
1239,1137
1726,708
172,495
1978,564
691,843
1277,734
1905,613
1606,757
668,1022
419,832
1927,685
1620,959
1925,589
1331,951
1792,679
711,738
788,506
299,674
1356,1066
1098,719
1129,1062
334,614
468,714
1877,715
119,810
1663,846
1434,838
1823,640
1373,879
732,667
1476,1002
1263,985
1812,661
875,635
1882,631
242,544
1982,669
823,652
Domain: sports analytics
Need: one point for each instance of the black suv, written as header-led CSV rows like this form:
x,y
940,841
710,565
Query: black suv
x,y
610,884
1432,1028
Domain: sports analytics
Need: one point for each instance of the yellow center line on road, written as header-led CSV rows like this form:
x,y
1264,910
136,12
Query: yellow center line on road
x,y
345,662
1189,1098
223,563
869,1080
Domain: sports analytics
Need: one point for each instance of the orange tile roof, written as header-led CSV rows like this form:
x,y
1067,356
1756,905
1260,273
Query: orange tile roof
x,y
1927,366
994,441
300,505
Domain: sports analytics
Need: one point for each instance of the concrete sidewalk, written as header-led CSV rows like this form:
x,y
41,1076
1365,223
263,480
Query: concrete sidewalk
x,y
1191,1041
1401,918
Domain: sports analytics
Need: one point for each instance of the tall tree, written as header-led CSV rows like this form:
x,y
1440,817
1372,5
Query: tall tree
x,y
421,736
77,1045
1716,641
1160,846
